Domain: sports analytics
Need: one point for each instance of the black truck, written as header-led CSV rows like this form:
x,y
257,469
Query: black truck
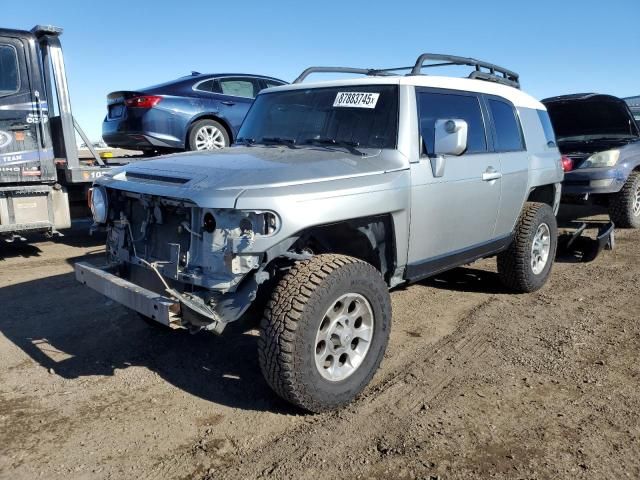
x,y
41,174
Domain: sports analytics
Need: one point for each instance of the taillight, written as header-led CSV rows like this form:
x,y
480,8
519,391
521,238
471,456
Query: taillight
x,y
144,101
567,163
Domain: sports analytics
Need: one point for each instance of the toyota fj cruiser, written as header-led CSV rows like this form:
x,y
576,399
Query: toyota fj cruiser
x,y
335,193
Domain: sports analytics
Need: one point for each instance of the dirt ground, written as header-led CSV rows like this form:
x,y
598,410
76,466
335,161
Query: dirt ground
x,y
477,383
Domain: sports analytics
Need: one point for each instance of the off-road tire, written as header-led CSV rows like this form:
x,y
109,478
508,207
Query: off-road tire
x,y
514,264
621,203
298,303
202,123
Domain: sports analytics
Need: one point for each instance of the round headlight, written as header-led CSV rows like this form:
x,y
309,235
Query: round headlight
x,y
99,205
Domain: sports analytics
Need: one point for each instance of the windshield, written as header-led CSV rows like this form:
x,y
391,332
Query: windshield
x,y
363,116
585,120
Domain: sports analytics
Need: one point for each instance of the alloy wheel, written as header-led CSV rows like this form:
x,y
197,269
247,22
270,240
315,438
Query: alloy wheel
x,y
344,337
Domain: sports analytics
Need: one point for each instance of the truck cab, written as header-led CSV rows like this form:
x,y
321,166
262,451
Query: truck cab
x,y
40,172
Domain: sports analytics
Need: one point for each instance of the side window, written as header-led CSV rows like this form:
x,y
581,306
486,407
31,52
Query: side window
x,y
238,87
437,106
273,83
508,133
549,134
9,77
206,86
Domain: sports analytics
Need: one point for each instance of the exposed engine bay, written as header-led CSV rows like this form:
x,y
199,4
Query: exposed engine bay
x,y
200,257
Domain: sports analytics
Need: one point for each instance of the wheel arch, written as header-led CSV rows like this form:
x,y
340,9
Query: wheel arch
x,y
549,194
371,239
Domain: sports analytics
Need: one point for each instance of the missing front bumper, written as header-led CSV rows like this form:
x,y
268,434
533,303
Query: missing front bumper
x,y
150,304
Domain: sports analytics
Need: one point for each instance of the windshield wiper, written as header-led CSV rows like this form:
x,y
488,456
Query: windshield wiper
x,y
332,142
289,142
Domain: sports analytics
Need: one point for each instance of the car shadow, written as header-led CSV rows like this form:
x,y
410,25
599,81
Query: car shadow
x,y
467,279
73,331
18,249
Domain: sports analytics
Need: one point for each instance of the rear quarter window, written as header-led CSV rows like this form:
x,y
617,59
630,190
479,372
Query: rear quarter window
x,y
549,134
206,86
9,78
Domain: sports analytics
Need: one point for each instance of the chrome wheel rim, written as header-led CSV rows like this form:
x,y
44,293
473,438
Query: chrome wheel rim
x,y
209,137
344,337
540,249
636,202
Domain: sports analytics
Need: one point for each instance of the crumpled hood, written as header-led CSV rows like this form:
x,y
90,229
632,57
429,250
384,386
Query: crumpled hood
x,y
590,114
229,172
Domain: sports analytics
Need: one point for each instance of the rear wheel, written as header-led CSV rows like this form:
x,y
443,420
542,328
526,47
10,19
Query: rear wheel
x,y
525,266
325,331
624,206
207,135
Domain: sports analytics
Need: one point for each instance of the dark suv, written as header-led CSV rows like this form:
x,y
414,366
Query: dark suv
x,y
601,140
197,112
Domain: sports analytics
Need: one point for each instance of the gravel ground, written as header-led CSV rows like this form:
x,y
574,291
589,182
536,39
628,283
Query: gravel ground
x,y
477,383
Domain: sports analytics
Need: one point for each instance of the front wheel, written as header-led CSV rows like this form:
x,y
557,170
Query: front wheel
x,y
624,206
325,331
208,135
525,266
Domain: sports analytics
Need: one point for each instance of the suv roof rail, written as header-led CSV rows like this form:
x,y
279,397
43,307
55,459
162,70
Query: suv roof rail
x,y
359,71
494,73
491,72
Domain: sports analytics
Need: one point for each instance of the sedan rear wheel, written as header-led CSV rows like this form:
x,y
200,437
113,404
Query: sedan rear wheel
x,y
208,135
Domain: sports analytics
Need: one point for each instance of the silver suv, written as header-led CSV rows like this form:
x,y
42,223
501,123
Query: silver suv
x,y
335,193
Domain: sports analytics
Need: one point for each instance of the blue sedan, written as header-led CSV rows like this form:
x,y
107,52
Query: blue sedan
x,y
197,112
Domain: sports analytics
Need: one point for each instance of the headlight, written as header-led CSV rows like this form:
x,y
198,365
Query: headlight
x,y
602,159
99,204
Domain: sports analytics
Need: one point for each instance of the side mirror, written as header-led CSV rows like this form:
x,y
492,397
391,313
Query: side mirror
x,y
451,137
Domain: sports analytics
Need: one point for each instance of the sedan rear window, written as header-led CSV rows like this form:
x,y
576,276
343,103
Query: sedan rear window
x,y
9,79
237,87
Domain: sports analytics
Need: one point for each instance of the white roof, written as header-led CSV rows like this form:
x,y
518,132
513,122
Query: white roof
x,y
515,96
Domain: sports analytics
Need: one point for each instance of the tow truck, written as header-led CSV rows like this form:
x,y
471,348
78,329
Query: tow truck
x,y
41,173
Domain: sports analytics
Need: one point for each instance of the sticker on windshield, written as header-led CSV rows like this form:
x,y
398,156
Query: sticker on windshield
x,y
356,99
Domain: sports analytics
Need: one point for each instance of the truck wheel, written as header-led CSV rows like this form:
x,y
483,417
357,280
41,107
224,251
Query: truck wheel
x,y
526,264
624,206
325,331
208,135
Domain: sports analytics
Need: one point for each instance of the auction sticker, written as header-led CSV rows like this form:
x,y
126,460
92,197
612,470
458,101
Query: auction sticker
x,y
356,99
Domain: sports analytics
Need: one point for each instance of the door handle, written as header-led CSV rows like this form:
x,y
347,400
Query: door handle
x,y
228,103
491,174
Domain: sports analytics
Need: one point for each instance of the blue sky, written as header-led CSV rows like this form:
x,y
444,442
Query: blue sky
x,y
556,46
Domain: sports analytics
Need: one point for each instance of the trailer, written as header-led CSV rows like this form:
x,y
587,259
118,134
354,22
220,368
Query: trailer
x,y
43,181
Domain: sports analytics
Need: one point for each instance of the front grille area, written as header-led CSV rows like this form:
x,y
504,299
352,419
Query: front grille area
x,y
154,225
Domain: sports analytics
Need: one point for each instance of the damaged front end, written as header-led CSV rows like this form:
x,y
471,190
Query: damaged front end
x,y
178,263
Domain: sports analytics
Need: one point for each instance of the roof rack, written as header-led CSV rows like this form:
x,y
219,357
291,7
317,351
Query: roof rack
x,y
493,73
372,72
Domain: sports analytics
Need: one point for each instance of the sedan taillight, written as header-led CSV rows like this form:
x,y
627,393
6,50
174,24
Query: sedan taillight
x,y
144,101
